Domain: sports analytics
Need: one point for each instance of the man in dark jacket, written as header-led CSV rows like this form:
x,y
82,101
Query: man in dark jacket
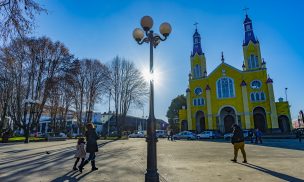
x,y
237,140
91,148
298,135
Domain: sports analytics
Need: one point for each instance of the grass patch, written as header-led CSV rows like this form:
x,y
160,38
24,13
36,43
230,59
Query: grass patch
x,y
114,138
21,139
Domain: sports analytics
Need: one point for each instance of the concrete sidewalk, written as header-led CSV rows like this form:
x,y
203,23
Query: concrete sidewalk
x,y
125,161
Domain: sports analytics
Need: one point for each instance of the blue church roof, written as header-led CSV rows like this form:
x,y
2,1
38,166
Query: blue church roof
x,y
249,35
197,48
247,19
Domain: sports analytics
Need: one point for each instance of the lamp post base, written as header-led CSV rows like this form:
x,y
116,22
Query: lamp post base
x,y
151,176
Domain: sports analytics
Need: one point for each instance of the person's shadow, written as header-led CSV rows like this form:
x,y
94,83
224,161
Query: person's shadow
x,y
71,176
273,173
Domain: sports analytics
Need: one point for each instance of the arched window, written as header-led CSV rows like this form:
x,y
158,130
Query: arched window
x,y
197,71
256,84
253,62
225,88
262,96
252,97
194,102
257,96
202,101
198,102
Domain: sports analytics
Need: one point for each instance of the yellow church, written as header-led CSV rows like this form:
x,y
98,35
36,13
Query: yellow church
x,y
228,95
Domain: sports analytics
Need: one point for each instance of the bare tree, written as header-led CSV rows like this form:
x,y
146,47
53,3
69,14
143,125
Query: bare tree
x,y
128,88
17,17
97,80
89,80
36,66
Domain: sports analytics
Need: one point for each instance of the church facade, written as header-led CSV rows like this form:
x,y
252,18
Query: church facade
x,y
229,95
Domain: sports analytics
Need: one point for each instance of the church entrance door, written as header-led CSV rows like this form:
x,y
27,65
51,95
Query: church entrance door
x,y
228,122
200,121
284,124
227,119
259,117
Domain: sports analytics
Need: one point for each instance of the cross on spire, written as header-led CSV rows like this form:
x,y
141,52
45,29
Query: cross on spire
x,y
195,24
245,10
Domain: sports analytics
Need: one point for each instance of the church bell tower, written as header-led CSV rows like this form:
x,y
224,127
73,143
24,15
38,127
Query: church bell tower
x,y
251,48
197,58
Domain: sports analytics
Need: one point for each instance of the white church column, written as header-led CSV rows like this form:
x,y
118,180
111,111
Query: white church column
x,y
245,105
209,109
189,118
273,109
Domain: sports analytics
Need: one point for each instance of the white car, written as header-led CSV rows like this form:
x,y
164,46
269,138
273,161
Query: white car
x,y
139,134
228,136
184,135
207,134
161,134
62,135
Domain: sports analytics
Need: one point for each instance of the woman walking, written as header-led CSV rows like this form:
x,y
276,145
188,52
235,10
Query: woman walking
x,y
91,148
80,152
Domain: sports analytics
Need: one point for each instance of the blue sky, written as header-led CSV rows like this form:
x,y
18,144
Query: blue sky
x,y
103,29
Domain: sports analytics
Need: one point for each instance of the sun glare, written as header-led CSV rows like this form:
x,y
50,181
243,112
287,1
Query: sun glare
x,y
156,76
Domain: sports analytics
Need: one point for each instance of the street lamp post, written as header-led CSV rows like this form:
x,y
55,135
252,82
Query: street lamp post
x,y
152,39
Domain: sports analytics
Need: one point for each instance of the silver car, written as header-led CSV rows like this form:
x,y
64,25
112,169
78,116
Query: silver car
x,y
184,135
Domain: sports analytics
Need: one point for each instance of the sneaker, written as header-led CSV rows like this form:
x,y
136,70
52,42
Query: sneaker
x,y
244,161
233,160
75,168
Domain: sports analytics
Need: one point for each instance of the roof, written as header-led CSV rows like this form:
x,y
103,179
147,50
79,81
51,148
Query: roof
x,y
223,63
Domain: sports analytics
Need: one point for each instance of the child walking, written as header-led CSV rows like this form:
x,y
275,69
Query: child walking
x,y
80,152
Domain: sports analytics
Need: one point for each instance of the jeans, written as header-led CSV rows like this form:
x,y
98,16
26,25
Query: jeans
x,y
91,156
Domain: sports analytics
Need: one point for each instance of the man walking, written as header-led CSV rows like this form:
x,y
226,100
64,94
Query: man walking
x,y
171,135
237,140
298,135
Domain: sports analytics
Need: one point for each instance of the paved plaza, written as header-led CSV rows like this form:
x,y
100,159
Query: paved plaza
x,y
125,160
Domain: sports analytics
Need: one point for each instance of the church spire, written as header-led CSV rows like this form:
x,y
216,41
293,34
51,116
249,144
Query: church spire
x,y
249,35
197,48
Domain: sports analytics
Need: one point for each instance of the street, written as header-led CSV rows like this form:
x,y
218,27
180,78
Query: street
x,y
125,160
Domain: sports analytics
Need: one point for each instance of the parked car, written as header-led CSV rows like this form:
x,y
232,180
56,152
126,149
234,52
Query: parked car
x,y
228,136
113,134
62,135
161,134
139,134
184,135
208,134
246,133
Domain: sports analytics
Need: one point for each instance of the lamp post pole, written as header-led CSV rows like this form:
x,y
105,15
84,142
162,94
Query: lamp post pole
x,y
301,118
109,112
153,39
286,94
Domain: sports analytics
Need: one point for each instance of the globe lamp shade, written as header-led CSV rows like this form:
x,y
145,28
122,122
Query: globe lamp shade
x,y
165,29
146,23
138,34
